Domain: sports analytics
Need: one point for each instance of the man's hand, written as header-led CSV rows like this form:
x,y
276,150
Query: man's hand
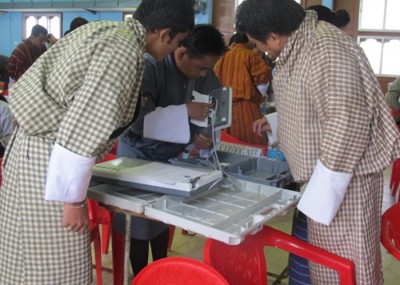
x,y
76,218
261,126
198,110
202,142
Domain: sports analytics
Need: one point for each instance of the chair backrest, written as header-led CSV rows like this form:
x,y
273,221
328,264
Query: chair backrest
x,y
235,271
99,214
178,271
239,264
390,230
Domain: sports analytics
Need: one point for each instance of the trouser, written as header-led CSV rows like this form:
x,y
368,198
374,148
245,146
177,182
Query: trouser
x,y
139,251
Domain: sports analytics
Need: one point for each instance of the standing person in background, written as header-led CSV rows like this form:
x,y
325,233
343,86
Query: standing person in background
x,y
334,128
27,52
4,72
71,106
167,105
246,72
76,23
232,41
339,18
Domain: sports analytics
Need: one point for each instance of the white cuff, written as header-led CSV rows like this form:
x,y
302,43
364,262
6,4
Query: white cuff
x,y
272,119
324,194
263,88
169,124
68,175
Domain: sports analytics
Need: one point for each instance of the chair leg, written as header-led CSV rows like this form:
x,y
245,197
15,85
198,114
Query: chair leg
x,y
106,234
171,236
395,179
95,237
118,249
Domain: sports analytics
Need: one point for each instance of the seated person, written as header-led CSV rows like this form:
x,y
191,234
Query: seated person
x,y
6,125
392,98
166,95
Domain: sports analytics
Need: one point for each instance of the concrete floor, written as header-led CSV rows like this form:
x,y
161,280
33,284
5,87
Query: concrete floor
x,y
192,246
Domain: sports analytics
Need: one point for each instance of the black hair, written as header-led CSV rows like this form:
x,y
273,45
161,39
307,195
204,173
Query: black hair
x,y
259,18
340,18
77,22
204,40
38,30
232,39
241,38
178,15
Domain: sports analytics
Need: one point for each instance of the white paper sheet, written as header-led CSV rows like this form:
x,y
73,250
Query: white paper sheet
x,y
198,97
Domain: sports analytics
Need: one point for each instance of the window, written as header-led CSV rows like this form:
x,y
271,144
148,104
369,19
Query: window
x,y
51,21
379,35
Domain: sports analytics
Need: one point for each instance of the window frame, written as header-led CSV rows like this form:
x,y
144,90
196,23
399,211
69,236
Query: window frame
x,y
26,15
383,35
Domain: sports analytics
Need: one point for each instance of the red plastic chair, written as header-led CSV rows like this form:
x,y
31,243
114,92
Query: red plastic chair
x,y
245,263
178,271
390,230
395,177
102,216
95,238
118,250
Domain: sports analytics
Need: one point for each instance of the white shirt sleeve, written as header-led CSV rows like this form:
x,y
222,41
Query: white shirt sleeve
x,y
272,119
263,88
324,194
68,175
169,124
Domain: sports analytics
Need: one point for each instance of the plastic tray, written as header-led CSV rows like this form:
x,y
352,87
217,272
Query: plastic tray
x,y
155,176
224,214
262,170
225,158
122,197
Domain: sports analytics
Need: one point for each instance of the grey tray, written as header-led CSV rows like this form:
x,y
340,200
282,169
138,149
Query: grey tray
x,y
262,170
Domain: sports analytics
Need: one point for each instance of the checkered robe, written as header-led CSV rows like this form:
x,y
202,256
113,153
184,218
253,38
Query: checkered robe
x,y
330,107
77,94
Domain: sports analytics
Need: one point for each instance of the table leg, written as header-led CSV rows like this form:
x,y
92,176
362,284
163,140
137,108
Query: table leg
x,y
127,248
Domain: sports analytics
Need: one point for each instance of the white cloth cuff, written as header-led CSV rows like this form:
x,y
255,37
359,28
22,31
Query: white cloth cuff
x,y
263,88
169,124
68,175
272,119
324,194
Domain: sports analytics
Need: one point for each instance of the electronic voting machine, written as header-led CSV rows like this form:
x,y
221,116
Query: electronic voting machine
x,y
155,176
206,200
